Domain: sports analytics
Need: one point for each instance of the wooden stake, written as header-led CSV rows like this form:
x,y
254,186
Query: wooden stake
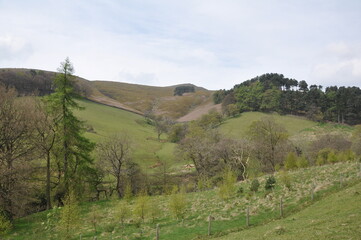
x,y
313,191
157,232
340,180
247,217
209,225
281,208
80,236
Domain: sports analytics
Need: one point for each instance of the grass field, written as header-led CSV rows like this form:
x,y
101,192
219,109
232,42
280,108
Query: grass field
x,y
336,217
106,121
331,200
238,127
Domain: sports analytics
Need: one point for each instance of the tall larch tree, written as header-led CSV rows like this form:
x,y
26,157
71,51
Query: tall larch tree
x,y
73,149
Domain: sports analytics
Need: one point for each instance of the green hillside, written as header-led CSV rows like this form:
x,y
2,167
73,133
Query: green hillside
x,y
335,217
105,121
331,200
238,127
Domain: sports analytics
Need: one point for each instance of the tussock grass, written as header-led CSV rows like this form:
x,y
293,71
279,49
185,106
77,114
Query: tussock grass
x,y
229,214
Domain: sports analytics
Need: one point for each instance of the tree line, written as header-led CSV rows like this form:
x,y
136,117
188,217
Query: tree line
x,y
272,92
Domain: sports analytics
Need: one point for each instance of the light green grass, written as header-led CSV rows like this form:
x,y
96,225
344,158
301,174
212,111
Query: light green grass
x,y
230,214
238,127
335,217
107,121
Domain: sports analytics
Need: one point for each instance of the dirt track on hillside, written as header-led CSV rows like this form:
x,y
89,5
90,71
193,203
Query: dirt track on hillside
x,y
199,111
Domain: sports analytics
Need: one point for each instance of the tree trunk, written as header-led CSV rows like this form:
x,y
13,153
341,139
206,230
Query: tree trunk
x,y
48,200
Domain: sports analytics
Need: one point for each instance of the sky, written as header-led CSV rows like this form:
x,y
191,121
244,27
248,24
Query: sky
x,y
210,43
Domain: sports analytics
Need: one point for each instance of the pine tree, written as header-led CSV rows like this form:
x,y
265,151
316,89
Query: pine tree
x,y
73,148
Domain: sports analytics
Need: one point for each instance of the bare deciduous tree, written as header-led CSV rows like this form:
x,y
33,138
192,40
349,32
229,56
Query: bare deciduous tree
x,y
115,152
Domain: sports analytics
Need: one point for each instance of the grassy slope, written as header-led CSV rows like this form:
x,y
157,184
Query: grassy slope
x,y
229,214
238,126
107,121
336,217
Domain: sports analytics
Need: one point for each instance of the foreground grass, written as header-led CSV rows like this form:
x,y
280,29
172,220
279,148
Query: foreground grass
x,y
336,217
229,214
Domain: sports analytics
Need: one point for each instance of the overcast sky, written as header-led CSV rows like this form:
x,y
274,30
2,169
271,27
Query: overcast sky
x,y
211,43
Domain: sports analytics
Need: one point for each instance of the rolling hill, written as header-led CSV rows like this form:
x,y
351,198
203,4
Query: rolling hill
x,y
131,97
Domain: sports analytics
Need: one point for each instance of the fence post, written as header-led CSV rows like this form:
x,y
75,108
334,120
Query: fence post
x,y
209,225
340,180
313,191
80,236
247,217
157,232
281,207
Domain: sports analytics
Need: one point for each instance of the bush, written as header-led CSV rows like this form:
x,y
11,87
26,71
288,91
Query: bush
x,y
240,190
204,183
291,161
331,157
122,212
270,183
227,187
254,185
141,207
69,216
286,179
302,162
5,225
178,203
322,156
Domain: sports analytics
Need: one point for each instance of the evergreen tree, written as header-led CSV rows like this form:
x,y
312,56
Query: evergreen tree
x,y
73,149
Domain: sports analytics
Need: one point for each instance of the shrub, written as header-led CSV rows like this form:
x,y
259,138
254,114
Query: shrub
x,y
141,207
302,162
345,156
5,224
128,194
322,156
227,187
154,210
331,157
204,183
69,216
270,183
286,179
122,212
254,185
291,161
240,190
178,203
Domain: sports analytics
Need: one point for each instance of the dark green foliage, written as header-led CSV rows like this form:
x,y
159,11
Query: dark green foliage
x,y
254,185
73,149
178,91
270,183
273,92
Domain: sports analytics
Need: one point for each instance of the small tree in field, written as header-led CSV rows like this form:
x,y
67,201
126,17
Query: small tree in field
x,y
254,185
141,207
69,216
178,203
270,183
122,211
227,188
291,161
